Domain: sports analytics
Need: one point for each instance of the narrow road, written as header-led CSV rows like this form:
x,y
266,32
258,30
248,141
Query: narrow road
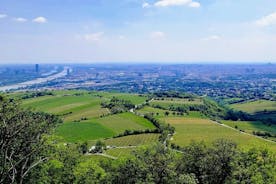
x,y
133,109
103,154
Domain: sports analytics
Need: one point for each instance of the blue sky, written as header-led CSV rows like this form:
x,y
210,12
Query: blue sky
x,y
176,31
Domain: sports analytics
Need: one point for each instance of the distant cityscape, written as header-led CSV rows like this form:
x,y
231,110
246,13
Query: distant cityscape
x,y
217,81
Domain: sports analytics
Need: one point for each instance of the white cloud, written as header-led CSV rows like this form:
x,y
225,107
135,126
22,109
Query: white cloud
x,y
3,16
93,37
157,35
210,38
164,3
20,19
194,4
40,20
145,5
267,20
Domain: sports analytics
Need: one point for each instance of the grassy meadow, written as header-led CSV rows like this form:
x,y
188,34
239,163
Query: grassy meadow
x,y
132,140
250,126
167,102
195,129
83,131
255,106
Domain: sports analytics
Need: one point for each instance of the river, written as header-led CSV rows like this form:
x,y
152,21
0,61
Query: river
x,y
63,73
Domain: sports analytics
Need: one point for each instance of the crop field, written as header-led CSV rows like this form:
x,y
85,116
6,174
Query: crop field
x,y
125,121
75,107
95,158
256,106
194,129
119,152
177,101
132,140
196,114
134,98
85,108
81,111
250,126
105,127
159,113
152,110
82,131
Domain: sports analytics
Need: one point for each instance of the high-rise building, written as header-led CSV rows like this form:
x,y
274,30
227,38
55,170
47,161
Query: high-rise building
x,y
36,68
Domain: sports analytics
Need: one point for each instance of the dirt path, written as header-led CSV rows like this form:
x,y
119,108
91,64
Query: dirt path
x,y
103,154
124,147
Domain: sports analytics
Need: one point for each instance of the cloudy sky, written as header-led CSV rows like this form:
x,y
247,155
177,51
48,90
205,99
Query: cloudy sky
x,y
180,31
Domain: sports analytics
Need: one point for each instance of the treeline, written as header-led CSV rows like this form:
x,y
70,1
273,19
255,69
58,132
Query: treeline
x,y
212,109
264,134
173,94
37,94
116,105
166,130
209,108
136,132
235,115
267,118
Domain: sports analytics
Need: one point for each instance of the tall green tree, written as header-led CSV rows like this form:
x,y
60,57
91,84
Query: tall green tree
x,y
21,140
153,164
256,166
209,164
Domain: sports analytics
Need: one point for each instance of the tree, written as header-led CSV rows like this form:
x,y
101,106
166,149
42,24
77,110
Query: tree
x,y
254,166
89,172
153,164
21,140
83,148
99,147
61,163
210,165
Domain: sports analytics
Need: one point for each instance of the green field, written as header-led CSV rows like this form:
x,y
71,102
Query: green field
x,y
152,110
102,127
133,140
83,131
74,105
160,113
120,152
255,106
82,111
250,126
188,129
167,102
125,121
134,98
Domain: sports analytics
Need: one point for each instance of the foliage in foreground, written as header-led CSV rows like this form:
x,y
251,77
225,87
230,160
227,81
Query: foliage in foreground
x,y
197,163
28,157
21,140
